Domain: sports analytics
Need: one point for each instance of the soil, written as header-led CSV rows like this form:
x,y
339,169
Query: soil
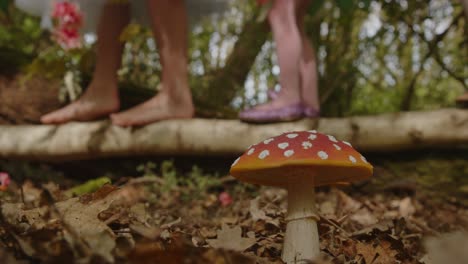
x,y
25,101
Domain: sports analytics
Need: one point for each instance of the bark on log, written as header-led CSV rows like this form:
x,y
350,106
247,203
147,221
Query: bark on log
x,y
447,128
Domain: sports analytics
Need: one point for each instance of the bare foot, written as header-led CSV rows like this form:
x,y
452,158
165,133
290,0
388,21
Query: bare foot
x,y
161,107
94,103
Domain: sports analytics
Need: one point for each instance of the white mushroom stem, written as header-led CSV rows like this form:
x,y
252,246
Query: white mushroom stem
x,y
301,242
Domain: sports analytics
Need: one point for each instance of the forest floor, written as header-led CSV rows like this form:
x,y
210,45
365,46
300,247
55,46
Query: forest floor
x,y
166,216
413,210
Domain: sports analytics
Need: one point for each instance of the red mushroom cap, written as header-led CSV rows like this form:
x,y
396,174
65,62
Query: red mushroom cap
x,y
299,155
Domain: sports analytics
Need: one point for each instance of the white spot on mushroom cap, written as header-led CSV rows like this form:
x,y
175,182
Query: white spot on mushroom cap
x,y
322,154
288,153
347,143
306,145
263,154
267,141
363,159
312,137
332,138
235,162
337,147
312,131
352,159
250,151
283,145
293,135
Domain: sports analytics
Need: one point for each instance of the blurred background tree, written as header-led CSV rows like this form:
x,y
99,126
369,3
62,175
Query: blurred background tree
x,y
374,56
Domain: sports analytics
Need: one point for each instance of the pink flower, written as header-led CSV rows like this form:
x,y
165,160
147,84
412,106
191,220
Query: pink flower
x,y
67,14
4,181
63,8
68,20
68,38
225,199
72,19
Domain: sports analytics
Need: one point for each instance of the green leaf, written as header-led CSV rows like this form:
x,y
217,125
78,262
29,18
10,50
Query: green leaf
x,y
315,6
4,5
366,4
345,5
89,186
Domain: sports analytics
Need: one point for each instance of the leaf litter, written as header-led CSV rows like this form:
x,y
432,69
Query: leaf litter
x,y
138,222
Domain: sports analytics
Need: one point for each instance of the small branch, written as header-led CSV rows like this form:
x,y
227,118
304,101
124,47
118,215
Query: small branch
x,y
432,47
460,79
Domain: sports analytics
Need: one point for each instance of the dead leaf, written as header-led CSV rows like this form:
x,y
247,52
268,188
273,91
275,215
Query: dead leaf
x,y
376,254
382,226
327,209
207,233
182,252
81,220
138,212
256,212
364,217
8,257
231,239
31,194
346,204
145,231
406,207
173,223
99,194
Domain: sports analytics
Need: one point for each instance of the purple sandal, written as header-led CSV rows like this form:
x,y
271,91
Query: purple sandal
x,y
307,111
310,112
282,114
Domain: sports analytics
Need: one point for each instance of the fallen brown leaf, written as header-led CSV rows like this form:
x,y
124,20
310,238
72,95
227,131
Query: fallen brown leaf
x,y
231,239
381,253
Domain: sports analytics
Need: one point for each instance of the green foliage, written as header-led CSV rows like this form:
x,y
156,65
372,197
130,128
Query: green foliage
x,y
394,68
374,56
169,175
68,65
193,184
24,44
440,172
200,182
20,39
147,169
140,62
345,5
88,187
4,5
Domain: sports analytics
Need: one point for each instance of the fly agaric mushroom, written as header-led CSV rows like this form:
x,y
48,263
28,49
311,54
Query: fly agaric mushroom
x,y
299,161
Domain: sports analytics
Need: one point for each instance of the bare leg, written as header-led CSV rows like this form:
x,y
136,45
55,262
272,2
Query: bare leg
x,y
308,63
282,18
101,97
170,24
288,48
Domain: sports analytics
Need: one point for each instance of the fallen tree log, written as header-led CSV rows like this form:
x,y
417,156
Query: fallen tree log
x,y
446,128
